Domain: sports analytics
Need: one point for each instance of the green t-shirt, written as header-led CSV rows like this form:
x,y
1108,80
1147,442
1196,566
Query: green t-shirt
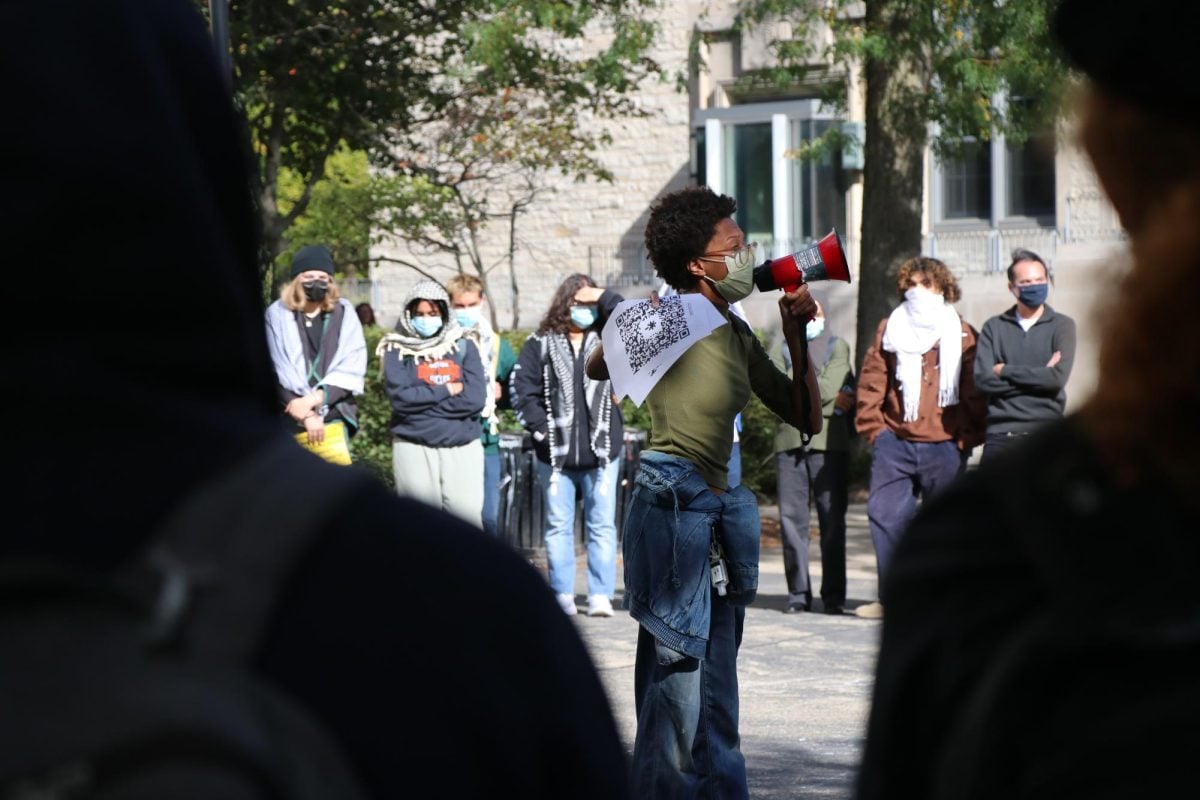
x,y
693,405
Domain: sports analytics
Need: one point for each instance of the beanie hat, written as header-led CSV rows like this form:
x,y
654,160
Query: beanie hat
x,y
313,256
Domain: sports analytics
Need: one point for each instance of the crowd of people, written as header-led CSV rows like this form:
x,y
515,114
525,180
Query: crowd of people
x,y
930,389
987,683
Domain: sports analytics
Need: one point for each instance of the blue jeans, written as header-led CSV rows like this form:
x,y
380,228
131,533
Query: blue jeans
x,y
735,465
491,494
599,489
998,441
900,472
687,741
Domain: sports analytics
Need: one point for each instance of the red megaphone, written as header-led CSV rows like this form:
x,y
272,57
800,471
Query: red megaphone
x,y
822,261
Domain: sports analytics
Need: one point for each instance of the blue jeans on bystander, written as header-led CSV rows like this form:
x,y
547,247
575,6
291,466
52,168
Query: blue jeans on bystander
x,y
599,490
491,494
902,471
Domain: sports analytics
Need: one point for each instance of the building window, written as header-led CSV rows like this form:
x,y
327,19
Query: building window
x,y
782,202
996,182
818,194
748,174
967,183
1031,178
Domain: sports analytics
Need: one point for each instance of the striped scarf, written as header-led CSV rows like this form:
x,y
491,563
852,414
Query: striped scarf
x,y
558,383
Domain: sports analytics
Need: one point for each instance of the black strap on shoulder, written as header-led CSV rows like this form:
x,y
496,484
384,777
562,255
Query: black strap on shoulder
x,y
225,553
806,433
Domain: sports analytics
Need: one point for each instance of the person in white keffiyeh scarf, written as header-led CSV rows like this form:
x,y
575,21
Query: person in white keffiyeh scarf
x,y
436,386
917,403
578,435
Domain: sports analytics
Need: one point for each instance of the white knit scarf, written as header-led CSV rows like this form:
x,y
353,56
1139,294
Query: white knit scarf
x,y
922,320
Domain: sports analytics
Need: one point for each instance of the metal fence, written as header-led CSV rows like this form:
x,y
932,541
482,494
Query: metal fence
x,y
990,251
522,515
621,266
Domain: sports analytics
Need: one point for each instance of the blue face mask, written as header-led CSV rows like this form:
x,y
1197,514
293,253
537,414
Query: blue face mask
x,y
426,326
814,328
1033,295
467,317
584,317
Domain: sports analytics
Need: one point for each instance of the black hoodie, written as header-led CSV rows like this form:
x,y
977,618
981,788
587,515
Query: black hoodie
x,y
126,214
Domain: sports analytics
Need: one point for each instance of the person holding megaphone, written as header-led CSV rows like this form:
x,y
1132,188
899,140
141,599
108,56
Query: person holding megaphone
x,y
691,541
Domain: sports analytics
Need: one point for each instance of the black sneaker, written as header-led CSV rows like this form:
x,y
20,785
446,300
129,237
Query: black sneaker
x,y
833,609
795,608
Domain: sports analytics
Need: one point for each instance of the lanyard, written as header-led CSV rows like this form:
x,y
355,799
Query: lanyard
x,y
313,376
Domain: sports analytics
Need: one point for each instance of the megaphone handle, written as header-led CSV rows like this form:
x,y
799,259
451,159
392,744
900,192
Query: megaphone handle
x,y
806,403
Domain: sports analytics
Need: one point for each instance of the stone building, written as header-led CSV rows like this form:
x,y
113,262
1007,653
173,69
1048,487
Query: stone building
x,y
977,208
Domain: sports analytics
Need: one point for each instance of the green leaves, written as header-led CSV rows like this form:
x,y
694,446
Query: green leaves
x,y
376,75
962,53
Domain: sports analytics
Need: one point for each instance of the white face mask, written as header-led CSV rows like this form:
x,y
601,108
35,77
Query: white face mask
x,y
921,299
814,328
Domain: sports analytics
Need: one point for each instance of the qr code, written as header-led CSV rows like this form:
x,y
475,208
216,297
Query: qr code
x,y
647,331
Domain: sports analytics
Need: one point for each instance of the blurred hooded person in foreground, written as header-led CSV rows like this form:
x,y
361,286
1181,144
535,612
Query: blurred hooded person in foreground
x,y
127,186
1041,638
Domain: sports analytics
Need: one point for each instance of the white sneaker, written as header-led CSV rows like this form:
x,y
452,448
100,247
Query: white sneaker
x,y
599,606
567,603
870,611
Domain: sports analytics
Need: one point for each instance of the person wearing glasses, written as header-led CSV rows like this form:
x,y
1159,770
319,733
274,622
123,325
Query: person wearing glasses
x,y
690,539
577,435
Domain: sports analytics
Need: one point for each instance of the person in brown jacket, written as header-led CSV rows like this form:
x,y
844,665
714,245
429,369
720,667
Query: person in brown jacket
x,y
917,404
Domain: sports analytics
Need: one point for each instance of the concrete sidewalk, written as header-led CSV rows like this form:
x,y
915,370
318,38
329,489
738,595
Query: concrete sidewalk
x,y
805,679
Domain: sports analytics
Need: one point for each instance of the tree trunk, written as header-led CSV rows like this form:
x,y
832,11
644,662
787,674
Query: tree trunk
x,y
894,154
514,287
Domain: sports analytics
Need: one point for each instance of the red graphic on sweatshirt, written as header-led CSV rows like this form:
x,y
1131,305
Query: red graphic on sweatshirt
x,y
440,372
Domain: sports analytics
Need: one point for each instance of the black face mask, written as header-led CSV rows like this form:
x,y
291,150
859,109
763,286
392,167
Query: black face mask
x,y
315,290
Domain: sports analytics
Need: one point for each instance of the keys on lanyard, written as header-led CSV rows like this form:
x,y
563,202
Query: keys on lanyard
x,y
716,568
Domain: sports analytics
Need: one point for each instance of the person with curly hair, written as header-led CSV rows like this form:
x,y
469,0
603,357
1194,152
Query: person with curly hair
x,y
319,354
577,435
434,379
690,540
917,404
1041,638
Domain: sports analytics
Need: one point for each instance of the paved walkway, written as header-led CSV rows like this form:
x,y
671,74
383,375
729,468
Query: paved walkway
x,y
805,678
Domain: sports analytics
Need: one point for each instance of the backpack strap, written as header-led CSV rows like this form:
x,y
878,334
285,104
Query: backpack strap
x,y
219,563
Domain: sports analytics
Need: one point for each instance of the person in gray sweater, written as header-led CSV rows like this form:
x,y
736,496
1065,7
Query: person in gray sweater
x,y
1023,358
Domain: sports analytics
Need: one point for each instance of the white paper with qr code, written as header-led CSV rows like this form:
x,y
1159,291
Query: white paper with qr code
x,y
641,342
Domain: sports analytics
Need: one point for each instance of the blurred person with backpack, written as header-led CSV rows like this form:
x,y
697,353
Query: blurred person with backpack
x,y
287,617
466,302
1043,630
319,354
435,382
818,470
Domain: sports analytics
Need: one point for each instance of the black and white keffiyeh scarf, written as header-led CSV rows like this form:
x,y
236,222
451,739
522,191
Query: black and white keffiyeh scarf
x,y
558,383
